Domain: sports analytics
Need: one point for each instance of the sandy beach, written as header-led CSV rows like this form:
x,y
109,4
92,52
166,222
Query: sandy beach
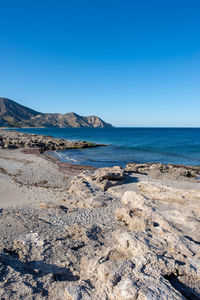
x,y
76,232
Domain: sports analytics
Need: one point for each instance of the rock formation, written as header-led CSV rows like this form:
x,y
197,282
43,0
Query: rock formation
x,y
163,170
15,139
13,114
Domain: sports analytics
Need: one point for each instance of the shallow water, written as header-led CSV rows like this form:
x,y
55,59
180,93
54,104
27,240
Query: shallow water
x,y
140,145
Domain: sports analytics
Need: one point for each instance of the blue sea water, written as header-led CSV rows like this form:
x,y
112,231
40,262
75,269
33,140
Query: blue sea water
x,y
140,145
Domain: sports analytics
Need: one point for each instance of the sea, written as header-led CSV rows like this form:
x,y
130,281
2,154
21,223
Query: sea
x,y
125,145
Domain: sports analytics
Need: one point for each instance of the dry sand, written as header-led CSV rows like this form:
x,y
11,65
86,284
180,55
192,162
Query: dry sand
x,y
28,177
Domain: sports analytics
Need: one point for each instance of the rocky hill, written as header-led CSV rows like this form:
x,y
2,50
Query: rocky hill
x,y
13,114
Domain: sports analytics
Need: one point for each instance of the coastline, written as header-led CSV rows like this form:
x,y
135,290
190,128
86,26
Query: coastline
x,y
139,145
76,230
14,140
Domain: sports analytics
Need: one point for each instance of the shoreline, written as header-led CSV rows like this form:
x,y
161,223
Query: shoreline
x,y
47,143
119,155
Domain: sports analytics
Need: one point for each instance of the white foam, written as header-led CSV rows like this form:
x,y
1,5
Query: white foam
x,y
57,153
70,159
62,155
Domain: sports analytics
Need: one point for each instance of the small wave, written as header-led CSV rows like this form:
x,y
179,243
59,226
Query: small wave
x,y
70,159
58,154
63,156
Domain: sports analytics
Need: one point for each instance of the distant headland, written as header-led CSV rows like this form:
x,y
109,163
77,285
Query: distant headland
x,y
13,114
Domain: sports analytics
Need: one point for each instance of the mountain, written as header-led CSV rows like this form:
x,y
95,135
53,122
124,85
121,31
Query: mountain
x,y
13,114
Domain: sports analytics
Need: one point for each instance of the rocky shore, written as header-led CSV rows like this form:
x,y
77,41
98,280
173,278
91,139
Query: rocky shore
x,y
80,233
14,139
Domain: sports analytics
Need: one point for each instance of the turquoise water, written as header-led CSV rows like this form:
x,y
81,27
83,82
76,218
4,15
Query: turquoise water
x,y
140,145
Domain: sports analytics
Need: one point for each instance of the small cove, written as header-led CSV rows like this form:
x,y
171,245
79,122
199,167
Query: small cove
x,y
139,145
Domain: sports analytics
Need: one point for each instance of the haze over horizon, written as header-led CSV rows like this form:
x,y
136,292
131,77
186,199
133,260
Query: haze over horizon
x,y
132,63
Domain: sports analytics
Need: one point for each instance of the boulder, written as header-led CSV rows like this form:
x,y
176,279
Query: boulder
x,y
88,189
108,177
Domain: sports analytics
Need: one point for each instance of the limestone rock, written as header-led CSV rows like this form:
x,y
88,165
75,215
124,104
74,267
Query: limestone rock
x,y
161,170
89,187
76,292
133,199
29,245
108,177
15,139
157,191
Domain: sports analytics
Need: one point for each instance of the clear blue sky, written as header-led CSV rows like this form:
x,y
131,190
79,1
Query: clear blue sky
x,y
131,62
